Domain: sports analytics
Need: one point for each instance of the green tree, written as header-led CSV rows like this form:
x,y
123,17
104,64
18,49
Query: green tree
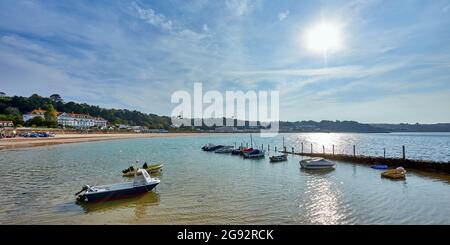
x,y
36,121
4,117
56,98
51,116
13,111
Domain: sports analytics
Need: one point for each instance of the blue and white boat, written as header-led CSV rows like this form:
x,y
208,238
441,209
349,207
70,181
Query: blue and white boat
x,y
254,154
142,183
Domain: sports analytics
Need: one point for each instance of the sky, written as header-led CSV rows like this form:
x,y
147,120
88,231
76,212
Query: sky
x,y
392,63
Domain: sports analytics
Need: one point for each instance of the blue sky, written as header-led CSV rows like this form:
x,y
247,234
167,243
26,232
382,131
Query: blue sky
x,y
394,64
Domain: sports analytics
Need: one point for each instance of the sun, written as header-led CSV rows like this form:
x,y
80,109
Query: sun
x,y
325,37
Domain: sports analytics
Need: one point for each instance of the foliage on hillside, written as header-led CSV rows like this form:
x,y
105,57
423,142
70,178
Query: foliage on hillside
x,y
12,108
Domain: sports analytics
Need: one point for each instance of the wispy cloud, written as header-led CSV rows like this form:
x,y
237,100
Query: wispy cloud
x,y
446,9
337,72
159,20
283,15
205,28
150,16
240,7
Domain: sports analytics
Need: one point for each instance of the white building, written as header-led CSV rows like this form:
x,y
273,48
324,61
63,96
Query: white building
x,y
6,124
70,119
80,120
123,126
33,114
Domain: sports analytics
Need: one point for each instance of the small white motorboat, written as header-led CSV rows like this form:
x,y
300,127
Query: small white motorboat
x,y
317,163
142,183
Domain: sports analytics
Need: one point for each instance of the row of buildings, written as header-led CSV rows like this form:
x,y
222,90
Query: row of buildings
x,y
5,124
70,119
86,121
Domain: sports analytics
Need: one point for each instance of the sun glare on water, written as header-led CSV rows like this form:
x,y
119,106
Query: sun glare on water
x,y
325,37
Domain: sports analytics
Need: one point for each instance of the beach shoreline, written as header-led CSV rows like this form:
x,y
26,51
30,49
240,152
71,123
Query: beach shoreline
x,y
19,142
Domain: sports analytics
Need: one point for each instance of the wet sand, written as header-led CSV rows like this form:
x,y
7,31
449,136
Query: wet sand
x,y
20,142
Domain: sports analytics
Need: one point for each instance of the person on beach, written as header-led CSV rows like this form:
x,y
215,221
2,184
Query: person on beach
x,y
145,165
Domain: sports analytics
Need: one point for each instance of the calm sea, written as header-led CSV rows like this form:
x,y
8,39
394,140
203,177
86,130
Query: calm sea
x,y
38,184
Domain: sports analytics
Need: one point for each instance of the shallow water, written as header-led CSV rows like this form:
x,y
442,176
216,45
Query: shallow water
x,y
38,184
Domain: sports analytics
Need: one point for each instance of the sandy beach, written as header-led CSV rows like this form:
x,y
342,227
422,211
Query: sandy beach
x,y
19,142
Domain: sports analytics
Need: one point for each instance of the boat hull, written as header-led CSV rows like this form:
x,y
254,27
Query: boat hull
x,y
278,158
118,194
212,148
394,174
254,156
224,150
235,152
317,164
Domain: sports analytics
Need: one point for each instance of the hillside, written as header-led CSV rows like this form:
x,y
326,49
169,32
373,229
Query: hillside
x,y
405,127
12,108
330,126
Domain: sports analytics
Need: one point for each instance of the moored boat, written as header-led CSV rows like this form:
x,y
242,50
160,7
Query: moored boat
x,y
142,183
236,151
278,158
379,166
211,147
254,154
317,163
398,173
208,146
224,149
151,169
245,150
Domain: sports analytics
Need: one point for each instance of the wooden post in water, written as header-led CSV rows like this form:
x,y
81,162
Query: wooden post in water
x,y
275,149
268,147
333,149
403,150
384,152
311,148
262,147
246,144
284,148
323,149
354,150
292,150
302,147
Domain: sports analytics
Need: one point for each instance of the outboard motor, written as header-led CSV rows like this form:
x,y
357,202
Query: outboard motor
x,y
82,197
85,188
